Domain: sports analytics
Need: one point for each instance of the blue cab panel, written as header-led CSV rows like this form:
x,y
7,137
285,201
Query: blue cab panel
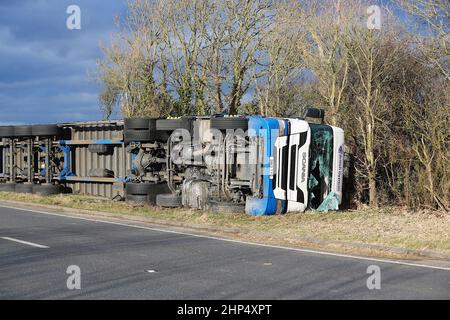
x,y
267,129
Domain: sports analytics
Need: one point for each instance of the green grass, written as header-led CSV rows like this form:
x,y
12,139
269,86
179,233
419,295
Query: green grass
x,y
387,227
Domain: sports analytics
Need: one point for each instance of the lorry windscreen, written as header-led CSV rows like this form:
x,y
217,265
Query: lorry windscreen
x,y
320,164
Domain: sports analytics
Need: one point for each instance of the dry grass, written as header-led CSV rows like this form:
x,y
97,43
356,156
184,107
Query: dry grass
x,y
386,227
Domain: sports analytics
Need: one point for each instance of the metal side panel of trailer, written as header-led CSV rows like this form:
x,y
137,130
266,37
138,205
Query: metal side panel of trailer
x,y
83,162
2,159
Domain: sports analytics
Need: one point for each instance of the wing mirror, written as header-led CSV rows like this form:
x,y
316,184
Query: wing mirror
x,y
314,113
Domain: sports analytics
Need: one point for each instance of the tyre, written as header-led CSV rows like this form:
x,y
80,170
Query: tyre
x,y
7,187
168,200
6,132
138,188
140,130
173,124
139,123
45,130
156,189
226,207
66,190
136,199
46,189
139,136
314,113
145,136
227,123
22,131
24,188
150,190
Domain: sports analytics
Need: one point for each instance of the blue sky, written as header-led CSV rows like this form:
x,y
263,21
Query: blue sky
x,y
44,67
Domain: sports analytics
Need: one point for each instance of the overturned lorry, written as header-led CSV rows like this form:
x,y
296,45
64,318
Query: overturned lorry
x,y
260,165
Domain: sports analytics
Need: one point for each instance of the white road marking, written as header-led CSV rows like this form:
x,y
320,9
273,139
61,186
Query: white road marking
x,y
25,242
340,255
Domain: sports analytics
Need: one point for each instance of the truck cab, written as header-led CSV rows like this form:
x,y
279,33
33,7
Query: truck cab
x,y
260,165
304,164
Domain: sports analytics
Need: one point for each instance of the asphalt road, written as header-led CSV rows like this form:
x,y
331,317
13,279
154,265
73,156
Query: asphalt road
x,y
36,249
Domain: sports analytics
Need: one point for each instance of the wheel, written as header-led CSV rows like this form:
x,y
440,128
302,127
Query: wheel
x,y
66,190
151,190
145,136
314,113
24,188
136,199
45,130
139,123
22,131
46,189
140,130
138,188
173,124
138,136
156,189
6,132
7,187
168,200
226,207
226,123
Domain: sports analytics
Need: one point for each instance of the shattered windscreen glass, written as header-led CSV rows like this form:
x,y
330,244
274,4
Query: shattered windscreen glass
x,y
320,164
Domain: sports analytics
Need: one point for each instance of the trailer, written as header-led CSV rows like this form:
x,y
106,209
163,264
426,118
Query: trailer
x,y
253,164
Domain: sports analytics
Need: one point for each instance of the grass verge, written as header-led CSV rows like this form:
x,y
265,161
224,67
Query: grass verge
x,y
367,231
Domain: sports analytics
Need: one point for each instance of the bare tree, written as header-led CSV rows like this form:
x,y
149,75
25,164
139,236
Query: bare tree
x,y
212,59
279,68
201,54
320,27
432,30
128,70
246,25
183,24
389,88
372,53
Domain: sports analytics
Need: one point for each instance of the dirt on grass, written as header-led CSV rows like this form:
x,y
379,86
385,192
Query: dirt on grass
x,y
388,232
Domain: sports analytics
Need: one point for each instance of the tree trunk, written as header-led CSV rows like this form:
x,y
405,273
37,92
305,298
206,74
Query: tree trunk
x,y
373,201
235,100
370,154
